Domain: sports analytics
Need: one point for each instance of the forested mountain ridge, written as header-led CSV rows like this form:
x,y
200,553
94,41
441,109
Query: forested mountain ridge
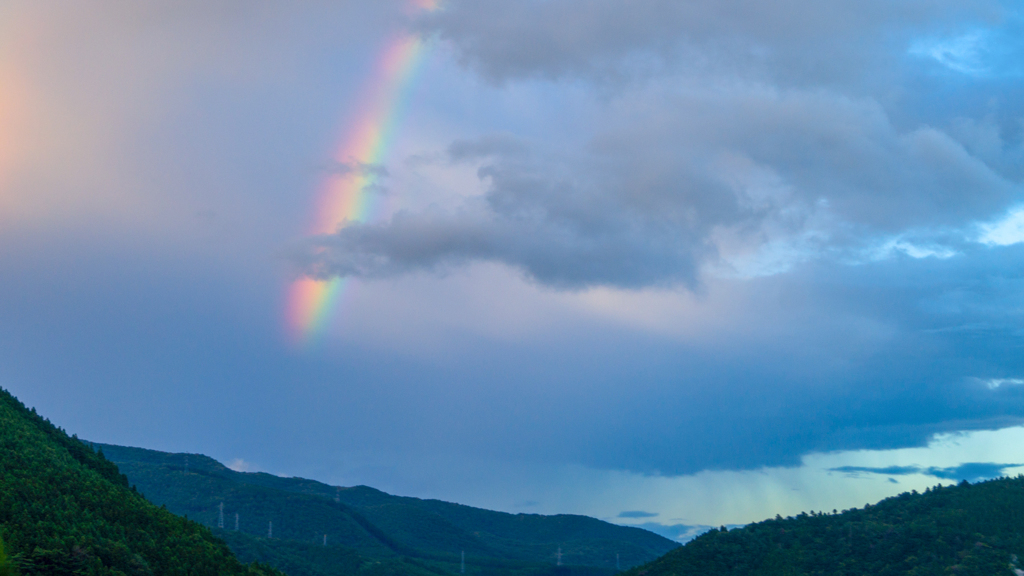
x,y
376,524
965,530
64,509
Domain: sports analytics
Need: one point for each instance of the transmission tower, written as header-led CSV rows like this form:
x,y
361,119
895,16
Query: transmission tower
x,y
559,555
236,521
220,516
270,530
462,567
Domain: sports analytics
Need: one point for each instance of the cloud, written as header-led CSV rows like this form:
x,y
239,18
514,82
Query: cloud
x,y
800,40
636,514
761,136
681,533
826,356
1007,231
971,472
964,54
239,465
888,470
996,383
984,52
747,179
554,252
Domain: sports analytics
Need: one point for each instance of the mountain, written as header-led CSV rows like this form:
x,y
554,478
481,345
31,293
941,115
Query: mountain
x,y
964,530
64,509
370,524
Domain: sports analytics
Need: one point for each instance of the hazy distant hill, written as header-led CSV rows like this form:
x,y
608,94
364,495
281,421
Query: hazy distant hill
x,y
371,524
964,530
66,510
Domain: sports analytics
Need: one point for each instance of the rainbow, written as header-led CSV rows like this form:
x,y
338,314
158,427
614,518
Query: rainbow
x,y
346,196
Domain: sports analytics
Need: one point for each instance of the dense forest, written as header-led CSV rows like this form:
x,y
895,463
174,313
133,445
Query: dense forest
x,y
966,530
64,509
372,529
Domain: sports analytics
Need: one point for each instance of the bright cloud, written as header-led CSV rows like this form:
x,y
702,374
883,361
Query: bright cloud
x,y
1005,232
964,54
239,465
996,383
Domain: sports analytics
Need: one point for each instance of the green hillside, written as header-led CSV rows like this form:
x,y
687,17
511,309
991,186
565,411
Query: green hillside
x,y
66,510
424,534
964,530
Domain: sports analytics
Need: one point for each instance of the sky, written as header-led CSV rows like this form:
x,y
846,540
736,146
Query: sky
x,y
666,263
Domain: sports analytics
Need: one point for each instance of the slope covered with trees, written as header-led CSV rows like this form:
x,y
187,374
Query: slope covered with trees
x,y
424,534
64,509
965,530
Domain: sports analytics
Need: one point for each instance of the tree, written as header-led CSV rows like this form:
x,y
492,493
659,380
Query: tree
x,y
7,565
